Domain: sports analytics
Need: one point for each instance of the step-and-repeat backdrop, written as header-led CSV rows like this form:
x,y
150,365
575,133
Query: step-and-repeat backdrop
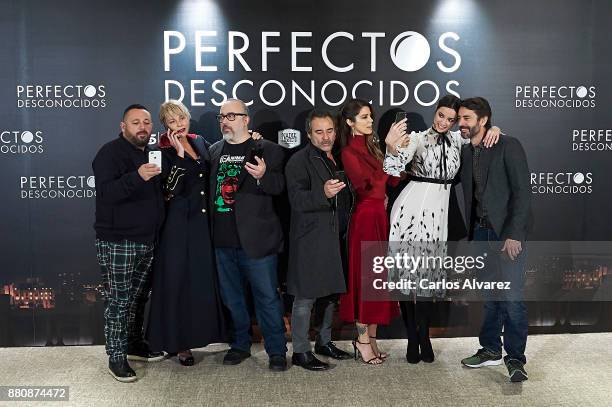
x,y
69,68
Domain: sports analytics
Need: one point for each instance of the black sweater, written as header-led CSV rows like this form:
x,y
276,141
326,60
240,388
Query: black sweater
x,y
127,207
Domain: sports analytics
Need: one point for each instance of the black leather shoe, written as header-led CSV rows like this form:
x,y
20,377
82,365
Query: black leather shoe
x,y
308,361
122,371
278,363
330,349
144,354
235,357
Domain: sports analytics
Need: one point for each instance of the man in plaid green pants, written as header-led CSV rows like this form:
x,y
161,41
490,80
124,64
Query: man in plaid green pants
x,y
129,213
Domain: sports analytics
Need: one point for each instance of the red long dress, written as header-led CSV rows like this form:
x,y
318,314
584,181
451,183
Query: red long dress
x,y
369,222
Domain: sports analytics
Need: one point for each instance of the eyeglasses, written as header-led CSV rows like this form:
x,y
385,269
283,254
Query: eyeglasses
x,y
230,116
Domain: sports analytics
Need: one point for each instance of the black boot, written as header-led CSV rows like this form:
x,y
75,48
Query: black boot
x,y
408,315
412,353
423,314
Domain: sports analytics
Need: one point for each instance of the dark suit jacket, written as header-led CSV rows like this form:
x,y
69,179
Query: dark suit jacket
x,y
258,225
507,191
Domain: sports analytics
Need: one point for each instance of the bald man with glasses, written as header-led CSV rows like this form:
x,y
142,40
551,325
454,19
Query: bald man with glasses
x,y
247,233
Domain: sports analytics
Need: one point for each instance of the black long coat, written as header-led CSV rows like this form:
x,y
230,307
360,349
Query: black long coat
x,y
186,308
315,263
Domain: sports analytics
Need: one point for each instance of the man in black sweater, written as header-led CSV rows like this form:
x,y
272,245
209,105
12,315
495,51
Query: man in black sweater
x,y
129,212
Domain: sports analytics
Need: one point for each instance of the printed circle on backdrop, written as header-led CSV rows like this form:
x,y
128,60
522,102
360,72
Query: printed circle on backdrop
x,y
578,178
581,92
27,137
90,91
410,51
91,181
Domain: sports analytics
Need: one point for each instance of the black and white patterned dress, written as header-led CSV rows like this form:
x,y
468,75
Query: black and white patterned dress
x,y
419,217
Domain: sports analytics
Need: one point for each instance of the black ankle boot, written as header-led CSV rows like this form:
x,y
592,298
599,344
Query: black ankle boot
x,y
412,352
427,353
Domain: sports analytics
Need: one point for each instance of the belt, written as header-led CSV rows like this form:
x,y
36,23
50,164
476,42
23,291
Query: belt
x,y
429,180
483,223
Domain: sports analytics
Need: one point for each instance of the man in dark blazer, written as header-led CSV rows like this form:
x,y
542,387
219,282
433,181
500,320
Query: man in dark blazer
x,y
247,234
498,211
320,208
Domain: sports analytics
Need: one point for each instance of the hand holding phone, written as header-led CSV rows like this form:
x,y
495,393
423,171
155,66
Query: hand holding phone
x,y
340,175
399,116
155,157
255,152
397,135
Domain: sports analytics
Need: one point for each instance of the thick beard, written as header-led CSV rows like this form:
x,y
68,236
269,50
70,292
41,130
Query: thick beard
x,y
136,141
228,136
474,131
471,133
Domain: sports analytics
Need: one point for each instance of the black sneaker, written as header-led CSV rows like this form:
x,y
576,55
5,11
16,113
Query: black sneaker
x,y
278,363
235,356
144,354
483,357
516,370
121,371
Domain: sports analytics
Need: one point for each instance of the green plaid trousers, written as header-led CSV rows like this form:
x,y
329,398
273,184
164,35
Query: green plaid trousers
x,y
126,277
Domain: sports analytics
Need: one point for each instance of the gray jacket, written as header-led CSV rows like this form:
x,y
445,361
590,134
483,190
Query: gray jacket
x,y
315,263
507,191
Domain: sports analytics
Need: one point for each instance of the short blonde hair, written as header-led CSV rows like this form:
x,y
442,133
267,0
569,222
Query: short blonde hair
x,y
172,107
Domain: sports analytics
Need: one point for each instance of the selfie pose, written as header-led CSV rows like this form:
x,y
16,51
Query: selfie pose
x,y
419,216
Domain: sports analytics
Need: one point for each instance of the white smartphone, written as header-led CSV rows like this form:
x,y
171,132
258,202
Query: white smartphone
x,y
155,157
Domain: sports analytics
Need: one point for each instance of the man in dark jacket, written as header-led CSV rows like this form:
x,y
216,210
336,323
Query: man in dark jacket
x,y
320,206
498,212
247,234
129,213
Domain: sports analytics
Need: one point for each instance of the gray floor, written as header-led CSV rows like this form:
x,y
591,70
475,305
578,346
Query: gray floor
x,y
564,370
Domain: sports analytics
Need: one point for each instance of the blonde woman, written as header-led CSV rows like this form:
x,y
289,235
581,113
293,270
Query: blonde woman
x,y
186,307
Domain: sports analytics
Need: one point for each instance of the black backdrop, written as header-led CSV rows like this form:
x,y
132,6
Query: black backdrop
x,y
70,67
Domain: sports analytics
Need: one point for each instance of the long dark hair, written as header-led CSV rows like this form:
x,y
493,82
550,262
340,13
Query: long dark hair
x,y
349,111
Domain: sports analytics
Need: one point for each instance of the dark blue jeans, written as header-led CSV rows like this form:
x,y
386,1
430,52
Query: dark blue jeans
x,y
509,313
235,267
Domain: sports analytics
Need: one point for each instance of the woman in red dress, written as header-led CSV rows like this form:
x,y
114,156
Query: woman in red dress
x,y
362,159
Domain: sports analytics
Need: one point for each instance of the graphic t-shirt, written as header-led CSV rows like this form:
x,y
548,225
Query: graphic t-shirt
x,y
231,164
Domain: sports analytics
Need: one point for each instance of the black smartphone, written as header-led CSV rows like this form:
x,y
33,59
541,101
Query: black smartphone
x,y
255,151
340,175
399,116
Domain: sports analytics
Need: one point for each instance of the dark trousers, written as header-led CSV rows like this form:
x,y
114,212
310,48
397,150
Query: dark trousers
x,y
235,267
507,311
125,270
300,321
